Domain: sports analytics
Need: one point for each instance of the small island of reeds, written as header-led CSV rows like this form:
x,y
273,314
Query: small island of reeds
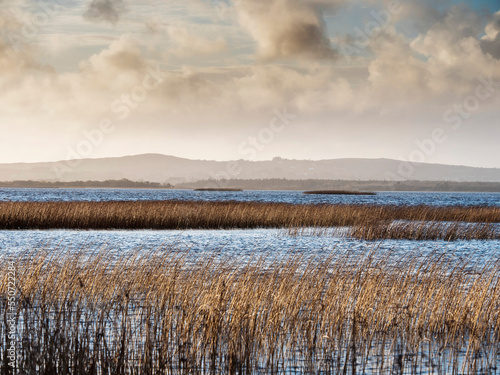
x,y
339,192
219,189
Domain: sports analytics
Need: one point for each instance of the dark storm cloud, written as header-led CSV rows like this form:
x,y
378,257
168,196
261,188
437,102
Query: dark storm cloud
x,y
288,28
105,10
491,43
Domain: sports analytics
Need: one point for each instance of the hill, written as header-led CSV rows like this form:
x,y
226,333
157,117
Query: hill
x,y
163,168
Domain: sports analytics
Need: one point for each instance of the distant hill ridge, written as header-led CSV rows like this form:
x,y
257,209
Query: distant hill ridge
x,y
164,168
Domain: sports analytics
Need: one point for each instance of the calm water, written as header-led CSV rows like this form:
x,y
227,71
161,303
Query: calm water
x,y
383,198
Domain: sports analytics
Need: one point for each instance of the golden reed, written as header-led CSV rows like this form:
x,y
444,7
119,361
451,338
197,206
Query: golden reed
x,y
222,215
160,312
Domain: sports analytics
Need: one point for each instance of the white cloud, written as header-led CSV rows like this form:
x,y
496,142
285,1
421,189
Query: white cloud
x,y
441,65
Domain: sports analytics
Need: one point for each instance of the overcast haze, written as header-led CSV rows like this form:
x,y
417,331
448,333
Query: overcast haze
x,y
251,79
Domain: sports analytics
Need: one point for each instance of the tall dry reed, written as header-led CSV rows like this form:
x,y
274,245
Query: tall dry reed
x,y
160,313
404,230
221,215
425,231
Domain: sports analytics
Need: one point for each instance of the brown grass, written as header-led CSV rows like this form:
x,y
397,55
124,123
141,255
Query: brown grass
x,y
406,230
156,313
221,215
425,231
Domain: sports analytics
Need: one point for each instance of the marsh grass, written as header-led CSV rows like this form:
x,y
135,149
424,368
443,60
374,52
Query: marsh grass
x,y
425,231
405,230
222,215
156,312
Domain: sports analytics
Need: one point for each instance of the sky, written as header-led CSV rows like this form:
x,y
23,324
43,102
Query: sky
x,y
413,80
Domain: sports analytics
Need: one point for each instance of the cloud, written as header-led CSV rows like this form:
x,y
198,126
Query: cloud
x,y
396,73
287,28
116,69
441,65
17,58
123,54
445,35
418,15
453,52
8,21
105,10
490,43
413,70
187,44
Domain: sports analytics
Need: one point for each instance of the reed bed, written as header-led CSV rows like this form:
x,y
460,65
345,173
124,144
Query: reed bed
x,y
219,189
426,231
221,215
158,313
338,192
405,230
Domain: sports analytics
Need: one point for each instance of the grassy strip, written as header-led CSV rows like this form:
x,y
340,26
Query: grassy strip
x,y
412,230
153,313
425,231
221,215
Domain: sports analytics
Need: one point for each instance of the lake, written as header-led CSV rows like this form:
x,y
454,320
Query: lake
x,y
237,242
382,198
241,243
273,246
